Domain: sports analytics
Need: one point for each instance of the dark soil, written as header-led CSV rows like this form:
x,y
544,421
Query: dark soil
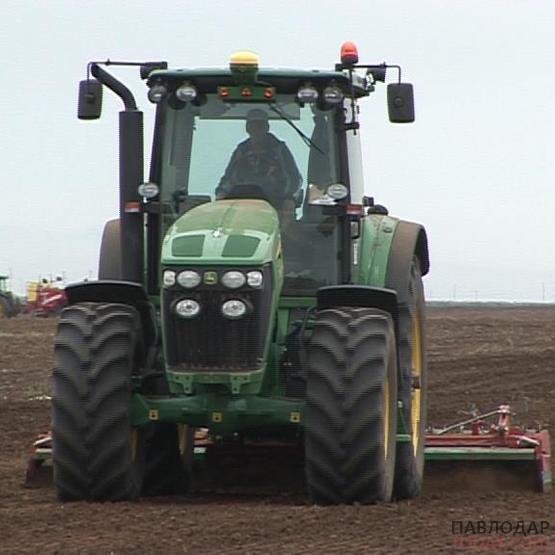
x,y
478,358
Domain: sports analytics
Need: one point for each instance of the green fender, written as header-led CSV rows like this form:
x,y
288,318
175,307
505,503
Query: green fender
x,y
386,249
409,240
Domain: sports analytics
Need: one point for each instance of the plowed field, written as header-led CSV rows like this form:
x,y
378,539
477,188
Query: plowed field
x,y
478,358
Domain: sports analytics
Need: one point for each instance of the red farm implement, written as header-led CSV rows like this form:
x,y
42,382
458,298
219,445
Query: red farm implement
x,y
45,298
465,455
488,449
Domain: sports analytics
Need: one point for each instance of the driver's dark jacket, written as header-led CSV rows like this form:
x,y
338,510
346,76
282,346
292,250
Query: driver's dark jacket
x,y
271,167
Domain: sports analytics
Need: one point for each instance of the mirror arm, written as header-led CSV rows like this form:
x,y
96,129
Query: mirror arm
x,y
114,85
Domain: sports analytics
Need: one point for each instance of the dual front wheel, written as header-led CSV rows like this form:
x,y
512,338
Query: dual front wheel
x,y
97,454
363,374
351,411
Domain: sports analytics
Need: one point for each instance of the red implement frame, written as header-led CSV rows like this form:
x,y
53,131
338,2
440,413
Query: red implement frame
x,y
475,439
478,439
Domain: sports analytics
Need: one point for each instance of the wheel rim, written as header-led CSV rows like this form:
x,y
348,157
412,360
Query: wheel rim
x,y
416,368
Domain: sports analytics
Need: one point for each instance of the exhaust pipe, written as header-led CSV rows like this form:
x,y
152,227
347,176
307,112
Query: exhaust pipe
x,y
131,163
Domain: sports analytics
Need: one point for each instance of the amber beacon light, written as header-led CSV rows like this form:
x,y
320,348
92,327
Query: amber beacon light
x,y
349,53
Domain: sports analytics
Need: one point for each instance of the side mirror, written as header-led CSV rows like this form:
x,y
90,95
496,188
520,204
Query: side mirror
x,y
400,102
90,99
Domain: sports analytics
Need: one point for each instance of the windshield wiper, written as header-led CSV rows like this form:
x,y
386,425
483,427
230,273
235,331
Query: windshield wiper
x,y
307,140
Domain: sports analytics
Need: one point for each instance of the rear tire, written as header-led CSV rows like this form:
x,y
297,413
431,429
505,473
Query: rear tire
x,y
413,388
351,411
109,264
97,455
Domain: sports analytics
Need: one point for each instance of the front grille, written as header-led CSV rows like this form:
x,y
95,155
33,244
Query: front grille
x,y
210,342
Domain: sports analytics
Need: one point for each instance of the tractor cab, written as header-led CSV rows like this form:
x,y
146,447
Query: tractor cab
x,y
279,138
288,137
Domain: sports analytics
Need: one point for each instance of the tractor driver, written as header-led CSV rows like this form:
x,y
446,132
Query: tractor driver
x,y
263,160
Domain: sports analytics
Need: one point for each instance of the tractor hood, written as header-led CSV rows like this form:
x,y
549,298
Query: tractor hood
x,y
226,232
214,350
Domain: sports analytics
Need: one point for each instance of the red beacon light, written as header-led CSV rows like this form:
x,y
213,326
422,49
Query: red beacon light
x,y
349,53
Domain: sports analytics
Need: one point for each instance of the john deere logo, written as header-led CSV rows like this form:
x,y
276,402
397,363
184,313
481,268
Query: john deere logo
x,y
210,278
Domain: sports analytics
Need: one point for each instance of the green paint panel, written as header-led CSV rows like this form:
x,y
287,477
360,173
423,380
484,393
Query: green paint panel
x,y
375,248
221,413
238,215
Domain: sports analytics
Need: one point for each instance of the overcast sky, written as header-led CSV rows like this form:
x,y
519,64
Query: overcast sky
x,y
477,168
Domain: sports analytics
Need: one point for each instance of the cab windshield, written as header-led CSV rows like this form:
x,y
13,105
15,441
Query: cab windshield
x,y
284,153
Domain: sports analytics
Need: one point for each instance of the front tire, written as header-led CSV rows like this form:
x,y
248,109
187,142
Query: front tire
x,y
351,410
97,455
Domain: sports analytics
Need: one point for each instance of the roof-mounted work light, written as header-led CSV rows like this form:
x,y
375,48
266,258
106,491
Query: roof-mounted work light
x,y
157,93
307,93
186,92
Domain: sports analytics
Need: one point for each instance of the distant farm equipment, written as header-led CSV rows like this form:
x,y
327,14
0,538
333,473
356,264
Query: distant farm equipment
x,y
45,297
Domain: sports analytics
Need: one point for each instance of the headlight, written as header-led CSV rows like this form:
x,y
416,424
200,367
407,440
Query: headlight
x,y
255,278
333,94
186,93
168,278
187,308
188,279
337,191
157,93
234,309
234,279
307,94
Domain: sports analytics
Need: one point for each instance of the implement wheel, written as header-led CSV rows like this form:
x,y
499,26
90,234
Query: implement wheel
x,y
97,455
413,387
351,411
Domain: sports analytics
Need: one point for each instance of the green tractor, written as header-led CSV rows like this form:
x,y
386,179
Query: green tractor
x,y
277,308
9,303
